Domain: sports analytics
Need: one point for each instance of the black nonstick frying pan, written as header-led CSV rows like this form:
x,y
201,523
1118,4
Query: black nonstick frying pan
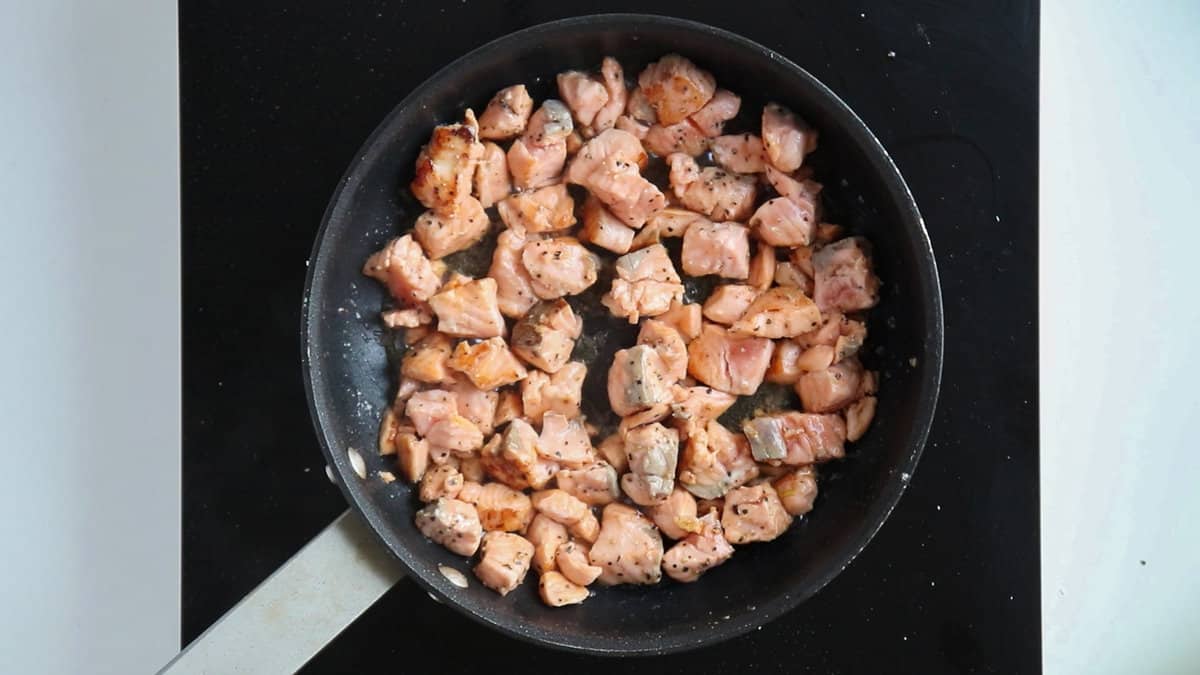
x,y
350,382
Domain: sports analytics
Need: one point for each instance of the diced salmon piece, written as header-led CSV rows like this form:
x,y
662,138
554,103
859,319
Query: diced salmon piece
x,y
506,114
858,417
638,107
503,508
508,407
412,456
638,379
446,166
676,516
786,137
669,344
685,318
683,171
609,167
699,552
716,248
778,313
602,228
681,137
583,94
714,461
595,484
547,536
512,459
728,302
833,388
443,481
815,358
797,490
556,590
492,182
732,363
633,127
612,449
536,159
754,513
762,267
477,405
488,364
789,274
534,166
405,318
454,434
559,266
785,368
546,335
739,153
470,310
572,561
620,149
628,549
402,266
428,360
652,262
587,529
783,222
472,471
691,136
542,210
618,95
505,561
653,451
676,88
805,193
560,506
646,284
453,524
550,124
722,107
426,407
560,392
851,336
721,195
514,287
844,278
564,441
796,438
696,406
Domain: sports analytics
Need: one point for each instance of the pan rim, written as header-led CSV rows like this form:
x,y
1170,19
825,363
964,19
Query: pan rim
x,y
880,509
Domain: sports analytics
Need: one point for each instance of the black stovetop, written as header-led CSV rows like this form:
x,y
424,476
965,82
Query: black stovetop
x,y
275,101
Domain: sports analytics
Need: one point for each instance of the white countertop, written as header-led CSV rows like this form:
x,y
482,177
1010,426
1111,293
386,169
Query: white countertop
x,y
90,403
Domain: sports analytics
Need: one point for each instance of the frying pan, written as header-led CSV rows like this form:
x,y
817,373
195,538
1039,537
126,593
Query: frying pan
x,y
348,359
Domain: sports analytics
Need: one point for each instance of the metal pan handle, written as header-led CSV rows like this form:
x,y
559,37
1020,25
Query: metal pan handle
x,y
297,610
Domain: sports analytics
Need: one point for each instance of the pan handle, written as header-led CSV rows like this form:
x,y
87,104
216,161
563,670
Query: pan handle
x,y
297,610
